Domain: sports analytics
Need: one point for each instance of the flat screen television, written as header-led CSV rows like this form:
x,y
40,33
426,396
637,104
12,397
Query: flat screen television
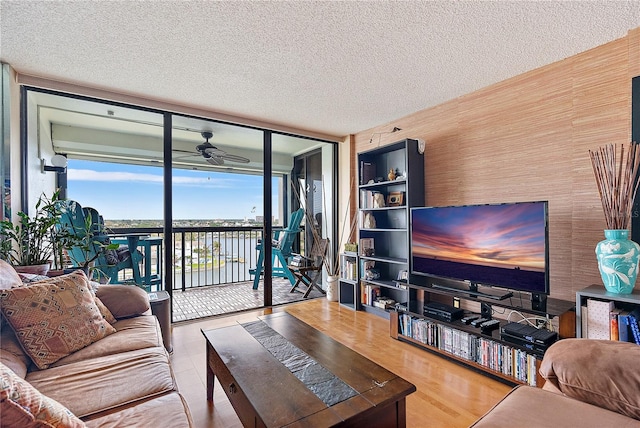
x,y
501,245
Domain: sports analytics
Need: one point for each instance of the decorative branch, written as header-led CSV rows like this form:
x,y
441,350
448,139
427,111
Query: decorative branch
x,y
617,186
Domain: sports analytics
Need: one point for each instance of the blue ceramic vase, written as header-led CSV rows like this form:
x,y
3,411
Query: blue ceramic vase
x,y
618,261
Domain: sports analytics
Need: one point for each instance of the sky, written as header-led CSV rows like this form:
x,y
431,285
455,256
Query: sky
x,y
497,235
133,192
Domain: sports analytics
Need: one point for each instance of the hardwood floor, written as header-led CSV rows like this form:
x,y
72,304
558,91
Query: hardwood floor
x,y
448,394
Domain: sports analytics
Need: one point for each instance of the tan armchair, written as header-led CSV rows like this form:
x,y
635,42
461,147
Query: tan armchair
x,y
589,383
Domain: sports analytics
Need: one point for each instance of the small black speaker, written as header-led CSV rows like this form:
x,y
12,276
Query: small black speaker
x,y
539,302
485,310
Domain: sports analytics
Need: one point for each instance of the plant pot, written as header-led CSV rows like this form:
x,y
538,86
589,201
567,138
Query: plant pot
x,y
34,269
618,261
332,288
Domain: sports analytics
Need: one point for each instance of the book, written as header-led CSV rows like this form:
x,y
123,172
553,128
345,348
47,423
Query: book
x,y
613,324
598,319
367,172
633,323
624,327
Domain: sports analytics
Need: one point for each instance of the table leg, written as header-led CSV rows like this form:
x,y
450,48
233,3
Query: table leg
x,y
210,376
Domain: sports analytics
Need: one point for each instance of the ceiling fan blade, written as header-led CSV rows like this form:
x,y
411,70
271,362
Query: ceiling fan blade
x,y
235,158
186,156
214,151
215,160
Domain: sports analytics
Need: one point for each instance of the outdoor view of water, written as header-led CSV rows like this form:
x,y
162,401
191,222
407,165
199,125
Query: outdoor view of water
x,y
235,257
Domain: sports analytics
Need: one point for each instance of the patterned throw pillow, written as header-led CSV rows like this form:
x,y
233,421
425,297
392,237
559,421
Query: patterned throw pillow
x,y
21,405
55,318
104,311
28,278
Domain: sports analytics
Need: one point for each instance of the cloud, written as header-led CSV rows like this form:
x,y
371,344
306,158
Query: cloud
x,y
133,177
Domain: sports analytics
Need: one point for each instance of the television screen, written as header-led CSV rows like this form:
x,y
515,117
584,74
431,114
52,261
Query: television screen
x,y
503,245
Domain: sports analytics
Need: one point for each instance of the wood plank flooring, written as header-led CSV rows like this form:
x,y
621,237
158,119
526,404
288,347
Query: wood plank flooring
x,y
448,394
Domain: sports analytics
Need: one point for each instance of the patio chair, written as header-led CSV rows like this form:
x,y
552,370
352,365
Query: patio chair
x,y
281,251
308,275
73,220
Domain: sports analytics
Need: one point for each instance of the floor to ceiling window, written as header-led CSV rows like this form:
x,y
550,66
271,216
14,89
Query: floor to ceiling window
x,y
118,163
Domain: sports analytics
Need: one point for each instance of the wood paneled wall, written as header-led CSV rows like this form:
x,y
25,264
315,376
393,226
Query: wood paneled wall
x,y
527,139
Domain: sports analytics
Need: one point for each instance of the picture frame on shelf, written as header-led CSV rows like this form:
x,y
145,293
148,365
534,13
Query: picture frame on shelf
x,y
395,199
367,247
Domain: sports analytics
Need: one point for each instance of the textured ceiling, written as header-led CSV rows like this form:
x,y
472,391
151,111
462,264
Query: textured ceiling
x,y
331,67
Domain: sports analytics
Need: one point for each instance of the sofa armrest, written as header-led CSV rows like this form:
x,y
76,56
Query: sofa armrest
x,y
124,300
600,372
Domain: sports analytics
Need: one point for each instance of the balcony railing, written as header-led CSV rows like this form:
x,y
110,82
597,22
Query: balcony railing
x,y
202,256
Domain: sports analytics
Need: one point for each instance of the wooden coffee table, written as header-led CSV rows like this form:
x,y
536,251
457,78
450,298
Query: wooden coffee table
x,y
279,371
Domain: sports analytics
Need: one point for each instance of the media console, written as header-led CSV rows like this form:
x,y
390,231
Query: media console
x,y
458,326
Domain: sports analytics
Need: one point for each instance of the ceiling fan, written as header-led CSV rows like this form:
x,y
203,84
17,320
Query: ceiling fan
x,y
214,155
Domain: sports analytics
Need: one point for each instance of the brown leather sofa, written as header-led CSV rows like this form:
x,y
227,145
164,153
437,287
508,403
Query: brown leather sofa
x,y
123,379
589,383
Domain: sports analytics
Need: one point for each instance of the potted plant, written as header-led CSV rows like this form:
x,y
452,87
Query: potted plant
x,y
28,244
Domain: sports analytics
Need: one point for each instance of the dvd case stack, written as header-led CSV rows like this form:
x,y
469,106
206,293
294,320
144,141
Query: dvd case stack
x,y
488,353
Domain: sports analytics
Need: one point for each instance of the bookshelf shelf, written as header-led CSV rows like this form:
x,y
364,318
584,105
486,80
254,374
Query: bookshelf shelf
x,y
348,292
399,207
599,293
384,221
396,260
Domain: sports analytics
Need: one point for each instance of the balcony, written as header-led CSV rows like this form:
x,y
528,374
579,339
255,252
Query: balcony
x,y
210,269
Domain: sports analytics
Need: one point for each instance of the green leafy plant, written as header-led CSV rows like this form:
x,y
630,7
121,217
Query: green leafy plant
x,y
31,240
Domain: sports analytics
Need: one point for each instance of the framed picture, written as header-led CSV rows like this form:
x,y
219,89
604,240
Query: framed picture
x,y
395,199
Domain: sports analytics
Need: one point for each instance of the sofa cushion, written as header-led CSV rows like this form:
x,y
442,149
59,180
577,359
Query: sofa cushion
x,y
131,334
21,405
104,311
124,300
11,353
52,319
8,276
527,406
99,384
599,372
167,410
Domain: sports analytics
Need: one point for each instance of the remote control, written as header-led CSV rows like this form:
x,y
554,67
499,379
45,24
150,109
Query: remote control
x,y
477,322
489,325
467,320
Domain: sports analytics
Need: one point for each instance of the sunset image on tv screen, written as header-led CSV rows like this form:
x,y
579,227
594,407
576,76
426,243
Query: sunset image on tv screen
x,y
511,236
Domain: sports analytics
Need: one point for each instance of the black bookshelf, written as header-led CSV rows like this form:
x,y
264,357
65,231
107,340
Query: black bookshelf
x,y
386,200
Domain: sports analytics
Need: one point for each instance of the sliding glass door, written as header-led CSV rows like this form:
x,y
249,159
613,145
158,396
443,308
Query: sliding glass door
x,y
208,197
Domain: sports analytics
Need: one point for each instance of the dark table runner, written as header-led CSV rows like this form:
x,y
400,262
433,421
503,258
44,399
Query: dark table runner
x,y
324,384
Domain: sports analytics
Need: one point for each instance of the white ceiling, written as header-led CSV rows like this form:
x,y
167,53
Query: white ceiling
x,y
331,67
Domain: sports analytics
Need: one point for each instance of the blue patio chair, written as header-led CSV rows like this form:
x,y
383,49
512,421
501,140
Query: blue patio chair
x,y
74,220
280,251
